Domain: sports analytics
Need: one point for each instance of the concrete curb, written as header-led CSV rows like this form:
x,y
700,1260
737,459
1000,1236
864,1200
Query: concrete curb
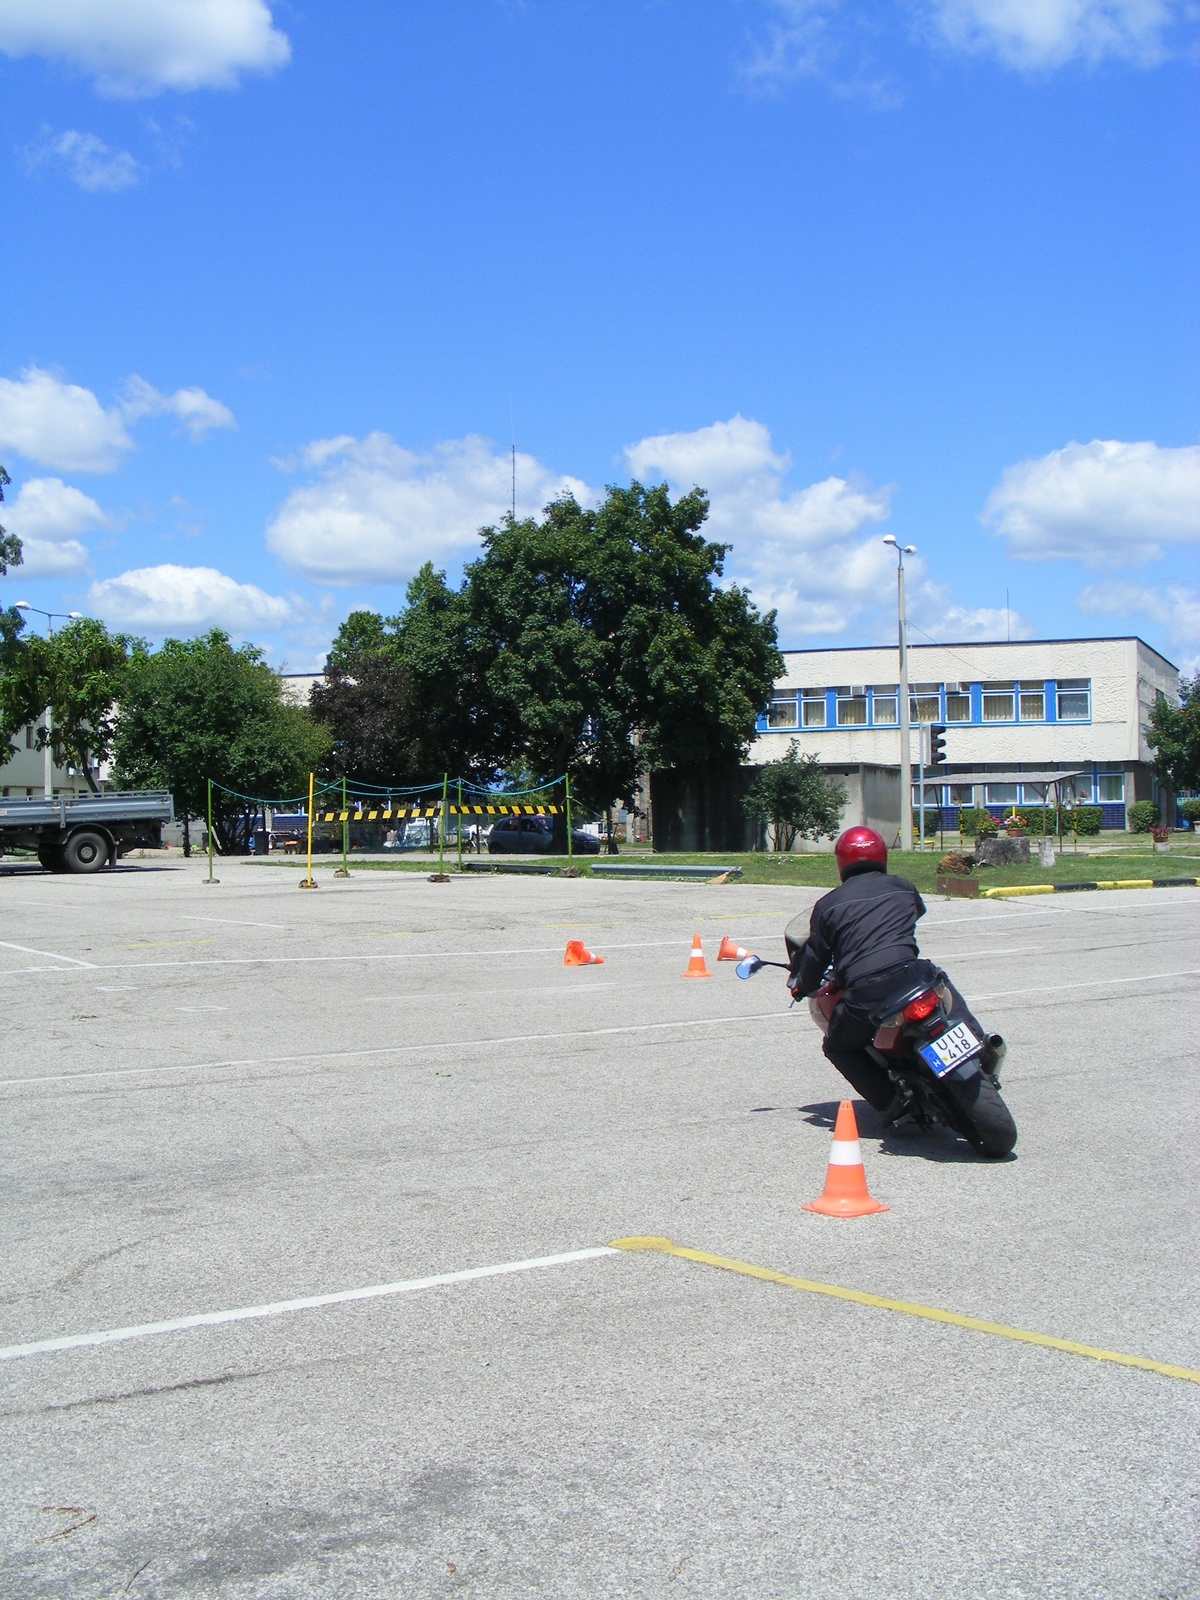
x,y
1072,888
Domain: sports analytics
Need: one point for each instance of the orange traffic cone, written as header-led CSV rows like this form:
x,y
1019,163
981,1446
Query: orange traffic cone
x,y
578,955
697,966
846,1180
731,952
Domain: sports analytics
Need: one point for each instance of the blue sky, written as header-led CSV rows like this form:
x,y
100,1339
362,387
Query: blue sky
x,y
278,279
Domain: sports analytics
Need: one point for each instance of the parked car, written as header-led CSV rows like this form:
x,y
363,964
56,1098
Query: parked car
x,y
534,836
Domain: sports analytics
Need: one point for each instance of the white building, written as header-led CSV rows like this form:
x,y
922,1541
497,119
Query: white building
x,y
1065,705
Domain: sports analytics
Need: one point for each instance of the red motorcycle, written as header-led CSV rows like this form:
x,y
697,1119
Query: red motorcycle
x,y
944,1073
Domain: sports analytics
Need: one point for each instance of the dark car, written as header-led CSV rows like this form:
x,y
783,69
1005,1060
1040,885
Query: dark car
x,y
534,836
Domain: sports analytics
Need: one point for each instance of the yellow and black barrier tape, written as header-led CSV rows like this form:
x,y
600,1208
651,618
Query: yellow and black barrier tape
x,y
407,813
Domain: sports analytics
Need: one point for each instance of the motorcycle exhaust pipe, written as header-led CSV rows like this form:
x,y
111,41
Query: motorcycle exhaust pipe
x,y
993,1052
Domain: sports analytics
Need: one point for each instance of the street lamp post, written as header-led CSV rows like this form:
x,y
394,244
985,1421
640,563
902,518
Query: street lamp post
x,y
66,616
906,838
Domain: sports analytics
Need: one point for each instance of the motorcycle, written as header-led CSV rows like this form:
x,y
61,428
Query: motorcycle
x,y
944,1074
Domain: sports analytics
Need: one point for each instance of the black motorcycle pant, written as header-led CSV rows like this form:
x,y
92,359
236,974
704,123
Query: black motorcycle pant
x,y
851,1029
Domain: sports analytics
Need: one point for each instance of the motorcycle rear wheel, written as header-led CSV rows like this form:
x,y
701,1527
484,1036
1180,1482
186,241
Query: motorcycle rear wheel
x,y
974,1109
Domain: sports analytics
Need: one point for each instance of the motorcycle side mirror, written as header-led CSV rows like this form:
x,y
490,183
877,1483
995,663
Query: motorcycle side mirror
x,y
748,967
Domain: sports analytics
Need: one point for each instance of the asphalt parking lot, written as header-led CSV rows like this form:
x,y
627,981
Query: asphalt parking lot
x,y
244,1095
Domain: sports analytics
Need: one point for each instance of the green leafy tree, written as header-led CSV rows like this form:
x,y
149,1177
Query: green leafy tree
x,y
14,694
10,545
796,797
79,674
198,709
1174,737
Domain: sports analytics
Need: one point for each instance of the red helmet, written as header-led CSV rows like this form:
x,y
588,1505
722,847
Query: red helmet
x,y
858,848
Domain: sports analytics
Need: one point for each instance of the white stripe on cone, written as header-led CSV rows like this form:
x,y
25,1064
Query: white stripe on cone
x,y
846,1153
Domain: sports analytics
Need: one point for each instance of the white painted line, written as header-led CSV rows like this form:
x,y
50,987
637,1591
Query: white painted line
x,y
389,1050
328,960
386,1050
1092,983
52,954
208,1319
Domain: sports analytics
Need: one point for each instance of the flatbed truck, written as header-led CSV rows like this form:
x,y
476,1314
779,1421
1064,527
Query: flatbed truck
x,y
83,833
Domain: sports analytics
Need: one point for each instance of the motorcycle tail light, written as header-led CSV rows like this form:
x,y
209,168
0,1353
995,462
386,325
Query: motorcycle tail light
x,y
917,1010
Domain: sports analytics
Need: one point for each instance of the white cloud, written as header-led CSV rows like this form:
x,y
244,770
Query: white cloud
x,y
171,598
59,424
377,511
1106,504
1039,34
821,39
198,412
140,47
88,161
1174,607
802,553
48,516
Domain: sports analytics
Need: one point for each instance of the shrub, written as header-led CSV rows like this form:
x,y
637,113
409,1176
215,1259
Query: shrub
x,y
933,822
972,819
1144,815
1083,820
1190,810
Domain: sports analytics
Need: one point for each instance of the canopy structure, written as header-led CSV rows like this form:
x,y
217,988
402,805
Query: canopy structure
x,y
965,780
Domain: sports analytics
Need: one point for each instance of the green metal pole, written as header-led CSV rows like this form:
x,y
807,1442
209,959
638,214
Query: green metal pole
x,y
570,844
210,836
460,817
442,823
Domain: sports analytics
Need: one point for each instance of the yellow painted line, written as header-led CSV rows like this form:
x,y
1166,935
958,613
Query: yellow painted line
x,y
1022,1335
161,944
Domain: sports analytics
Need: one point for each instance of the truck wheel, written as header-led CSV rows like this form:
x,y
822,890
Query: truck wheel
x,y
51,857
86,851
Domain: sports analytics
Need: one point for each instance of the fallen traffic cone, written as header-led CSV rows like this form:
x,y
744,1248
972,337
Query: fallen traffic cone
x,y
731,952
846,1192
578,955
697,966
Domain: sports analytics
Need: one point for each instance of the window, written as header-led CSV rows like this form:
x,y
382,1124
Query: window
x,y
925,702
958,702
1074,699
962,794
1035,794
885,706
814,709
999,703
1111,786
1033,702
1001,794
1082,790
782,713
852,708
29,737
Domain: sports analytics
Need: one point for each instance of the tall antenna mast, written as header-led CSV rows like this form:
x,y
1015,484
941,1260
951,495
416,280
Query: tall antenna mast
x,y
513,431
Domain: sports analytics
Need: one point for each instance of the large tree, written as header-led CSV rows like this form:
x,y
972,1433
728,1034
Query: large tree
x,y
14,695
1175,738
198,709
78,675
599,643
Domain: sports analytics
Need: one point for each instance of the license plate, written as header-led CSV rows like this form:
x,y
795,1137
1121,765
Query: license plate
x,y
945,1052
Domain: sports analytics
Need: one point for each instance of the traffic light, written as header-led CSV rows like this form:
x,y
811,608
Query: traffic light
x,y
937,743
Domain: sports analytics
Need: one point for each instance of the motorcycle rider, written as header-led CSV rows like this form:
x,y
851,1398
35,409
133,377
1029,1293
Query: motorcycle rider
x,y
866,931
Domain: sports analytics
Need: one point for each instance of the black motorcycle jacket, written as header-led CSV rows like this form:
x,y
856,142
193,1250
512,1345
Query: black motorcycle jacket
x,y
864,926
